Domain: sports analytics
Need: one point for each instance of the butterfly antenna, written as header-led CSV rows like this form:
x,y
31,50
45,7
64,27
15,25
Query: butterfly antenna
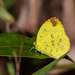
x,y
28,44
29,38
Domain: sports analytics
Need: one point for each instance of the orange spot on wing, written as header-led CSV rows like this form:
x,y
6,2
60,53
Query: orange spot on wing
x,y
53,21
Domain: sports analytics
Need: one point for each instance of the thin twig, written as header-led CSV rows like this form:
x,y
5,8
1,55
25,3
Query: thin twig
x,y
16,63
20,53
1,1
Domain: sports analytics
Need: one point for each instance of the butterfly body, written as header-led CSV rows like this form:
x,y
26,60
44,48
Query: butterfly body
x,y
51,39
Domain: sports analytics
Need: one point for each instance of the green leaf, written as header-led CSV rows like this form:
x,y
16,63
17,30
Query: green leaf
x,y
45,69
9,3
11,68
68,58
70,66
10,42
5,15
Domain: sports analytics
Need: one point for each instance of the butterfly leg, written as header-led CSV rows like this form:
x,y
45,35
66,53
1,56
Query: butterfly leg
x,y
36,52
42,54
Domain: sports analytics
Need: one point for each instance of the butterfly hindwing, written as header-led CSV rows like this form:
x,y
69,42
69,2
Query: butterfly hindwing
x,y
55,44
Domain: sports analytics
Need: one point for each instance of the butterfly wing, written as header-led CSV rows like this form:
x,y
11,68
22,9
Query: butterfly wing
x,y
48,28
51,39
55,44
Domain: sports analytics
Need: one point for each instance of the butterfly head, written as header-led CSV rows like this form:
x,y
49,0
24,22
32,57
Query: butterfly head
x,y
35,43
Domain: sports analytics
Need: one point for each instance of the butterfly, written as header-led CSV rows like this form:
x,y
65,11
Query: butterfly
x,y
52,39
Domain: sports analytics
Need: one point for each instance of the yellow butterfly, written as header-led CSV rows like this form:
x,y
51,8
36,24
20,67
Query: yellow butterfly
x,y
51,39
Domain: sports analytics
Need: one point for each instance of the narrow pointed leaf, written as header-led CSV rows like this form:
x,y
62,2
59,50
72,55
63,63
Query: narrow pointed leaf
x,y
5,15
68,58
45,69
69,66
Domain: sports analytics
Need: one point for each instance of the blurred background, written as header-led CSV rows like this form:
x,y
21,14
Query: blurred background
x,y
25,17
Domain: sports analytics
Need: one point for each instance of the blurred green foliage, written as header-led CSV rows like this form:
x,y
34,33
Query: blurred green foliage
x,y
5,15
10,42
9,3
11,68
